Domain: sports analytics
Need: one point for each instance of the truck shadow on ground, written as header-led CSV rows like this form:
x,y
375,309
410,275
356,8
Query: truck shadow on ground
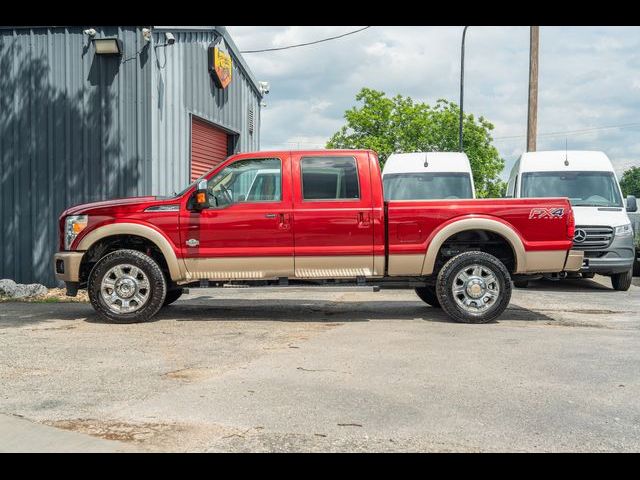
x,y
208,309
567,285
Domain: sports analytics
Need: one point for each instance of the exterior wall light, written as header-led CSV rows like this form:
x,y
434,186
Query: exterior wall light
x,y
146,34
108,46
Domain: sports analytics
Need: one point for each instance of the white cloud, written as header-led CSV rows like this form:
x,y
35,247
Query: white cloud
x,y
589,77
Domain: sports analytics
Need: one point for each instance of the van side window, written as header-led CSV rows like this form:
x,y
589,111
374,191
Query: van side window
x,y
510,189
329,178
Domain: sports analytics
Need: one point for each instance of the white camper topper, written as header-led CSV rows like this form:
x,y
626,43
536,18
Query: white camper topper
x,y
603,229
427,176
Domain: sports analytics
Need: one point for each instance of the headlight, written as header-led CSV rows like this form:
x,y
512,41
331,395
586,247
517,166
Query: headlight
x,y
74,224
624,230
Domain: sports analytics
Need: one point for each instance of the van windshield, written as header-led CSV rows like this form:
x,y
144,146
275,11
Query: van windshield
x,y
584,189
427,186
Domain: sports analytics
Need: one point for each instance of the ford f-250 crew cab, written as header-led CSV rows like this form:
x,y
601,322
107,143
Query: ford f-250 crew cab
x,y
290,217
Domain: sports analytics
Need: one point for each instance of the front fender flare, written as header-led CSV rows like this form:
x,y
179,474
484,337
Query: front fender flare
x,y
176,266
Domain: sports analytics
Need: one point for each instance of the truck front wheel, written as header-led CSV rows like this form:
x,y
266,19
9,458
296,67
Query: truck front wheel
x,y
428,296
126,286
621,281
474,287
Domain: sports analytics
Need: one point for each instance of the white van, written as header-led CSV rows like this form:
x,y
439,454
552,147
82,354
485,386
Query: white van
x,y
427,176
603,229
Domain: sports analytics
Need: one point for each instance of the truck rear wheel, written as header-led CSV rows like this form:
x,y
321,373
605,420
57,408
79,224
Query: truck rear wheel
x,y
428,296
474,287
126,286
621,281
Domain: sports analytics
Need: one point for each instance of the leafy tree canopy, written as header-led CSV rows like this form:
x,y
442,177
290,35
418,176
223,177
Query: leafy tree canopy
x,y
630,182
398,124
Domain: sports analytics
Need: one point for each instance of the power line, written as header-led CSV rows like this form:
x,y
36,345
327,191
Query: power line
x,y
573,132
305,44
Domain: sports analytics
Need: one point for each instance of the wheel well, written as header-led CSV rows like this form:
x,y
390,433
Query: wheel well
x,y
482,240
110,244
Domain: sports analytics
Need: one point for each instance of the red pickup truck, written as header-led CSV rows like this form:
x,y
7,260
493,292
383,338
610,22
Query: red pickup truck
x,y
319,217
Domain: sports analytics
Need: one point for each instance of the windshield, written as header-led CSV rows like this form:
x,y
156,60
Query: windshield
x,y
427,186
185,189
584,189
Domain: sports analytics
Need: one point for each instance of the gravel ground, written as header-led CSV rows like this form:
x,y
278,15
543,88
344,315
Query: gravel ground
x,y
317,370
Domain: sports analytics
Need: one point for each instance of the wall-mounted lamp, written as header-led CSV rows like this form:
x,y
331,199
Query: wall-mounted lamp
x,y
108,46
146,34
91,32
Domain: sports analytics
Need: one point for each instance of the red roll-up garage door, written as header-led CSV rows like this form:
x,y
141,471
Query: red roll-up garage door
x,y
208,147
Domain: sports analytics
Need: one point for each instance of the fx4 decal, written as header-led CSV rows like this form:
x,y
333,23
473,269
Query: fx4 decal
x,y
553,212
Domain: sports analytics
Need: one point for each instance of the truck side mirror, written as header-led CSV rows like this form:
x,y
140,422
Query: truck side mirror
x,y
201,196
632,204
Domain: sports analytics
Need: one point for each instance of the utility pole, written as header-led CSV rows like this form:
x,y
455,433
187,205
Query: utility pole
x,y
464,33
532,118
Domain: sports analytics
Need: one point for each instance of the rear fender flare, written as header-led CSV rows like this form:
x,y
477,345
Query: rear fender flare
x,y
475,223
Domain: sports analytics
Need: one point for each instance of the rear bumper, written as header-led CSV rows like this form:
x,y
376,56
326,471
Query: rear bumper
x,y
574,261
66,266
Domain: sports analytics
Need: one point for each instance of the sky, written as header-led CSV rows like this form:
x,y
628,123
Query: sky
x,y
589,77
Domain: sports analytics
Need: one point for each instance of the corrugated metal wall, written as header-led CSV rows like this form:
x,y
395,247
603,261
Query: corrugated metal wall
x,y
181,86
73,129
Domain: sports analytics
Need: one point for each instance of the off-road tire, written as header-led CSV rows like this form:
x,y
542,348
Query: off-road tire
x,y
172,295
428,295
521,283
447,275
157,286
621,281
588,274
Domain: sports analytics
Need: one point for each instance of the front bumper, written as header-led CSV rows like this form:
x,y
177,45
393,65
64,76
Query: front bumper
x,y
66,266
617,258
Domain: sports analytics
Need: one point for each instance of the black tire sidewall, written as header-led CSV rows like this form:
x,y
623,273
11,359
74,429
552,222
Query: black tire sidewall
x,y
157,282
622,281
428,295
172,295
446,277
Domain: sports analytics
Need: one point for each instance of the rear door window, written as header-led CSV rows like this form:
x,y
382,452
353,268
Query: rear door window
x,y
329,178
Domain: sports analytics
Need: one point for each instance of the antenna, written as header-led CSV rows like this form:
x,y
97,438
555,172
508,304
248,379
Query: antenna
x,y
426,161
566,154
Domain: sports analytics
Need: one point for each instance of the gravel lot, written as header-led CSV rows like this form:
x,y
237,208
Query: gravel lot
x,y
316,370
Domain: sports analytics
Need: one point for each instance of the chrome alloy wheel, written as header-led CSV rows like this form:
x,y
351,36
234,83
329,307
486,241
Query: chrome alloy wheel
x,y
125,288
475,289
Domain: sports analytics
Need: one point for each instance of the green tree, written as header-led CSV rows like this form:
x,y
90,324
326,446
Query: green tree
x,y
630,182
398,124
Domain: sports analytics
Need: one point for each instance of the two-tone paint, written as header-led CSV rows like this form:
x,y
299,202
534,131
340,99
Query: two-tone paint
x,y
297,238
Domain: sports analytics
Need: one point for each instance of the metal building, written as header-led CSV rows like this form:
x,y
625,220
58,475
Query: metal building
x,y
96,113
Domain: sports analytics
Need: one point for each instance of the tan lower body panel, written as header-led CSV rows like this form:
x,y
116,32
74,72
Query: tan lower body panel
x,y
406,265
339,266
574,261
545,261
238,268
257,268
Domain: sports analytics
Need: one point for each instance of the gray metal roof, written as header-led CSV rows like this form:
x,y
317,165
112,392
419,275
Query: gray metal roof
x,y
220,29
232,46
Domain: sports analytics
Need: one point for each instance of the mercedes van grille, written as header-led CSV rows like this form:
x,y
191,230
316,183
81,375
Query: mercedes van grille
x,y
592,238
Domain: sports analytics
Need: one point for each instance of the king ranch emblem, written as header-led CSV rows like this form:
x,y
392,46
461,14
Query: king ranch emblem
x,y
220,63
